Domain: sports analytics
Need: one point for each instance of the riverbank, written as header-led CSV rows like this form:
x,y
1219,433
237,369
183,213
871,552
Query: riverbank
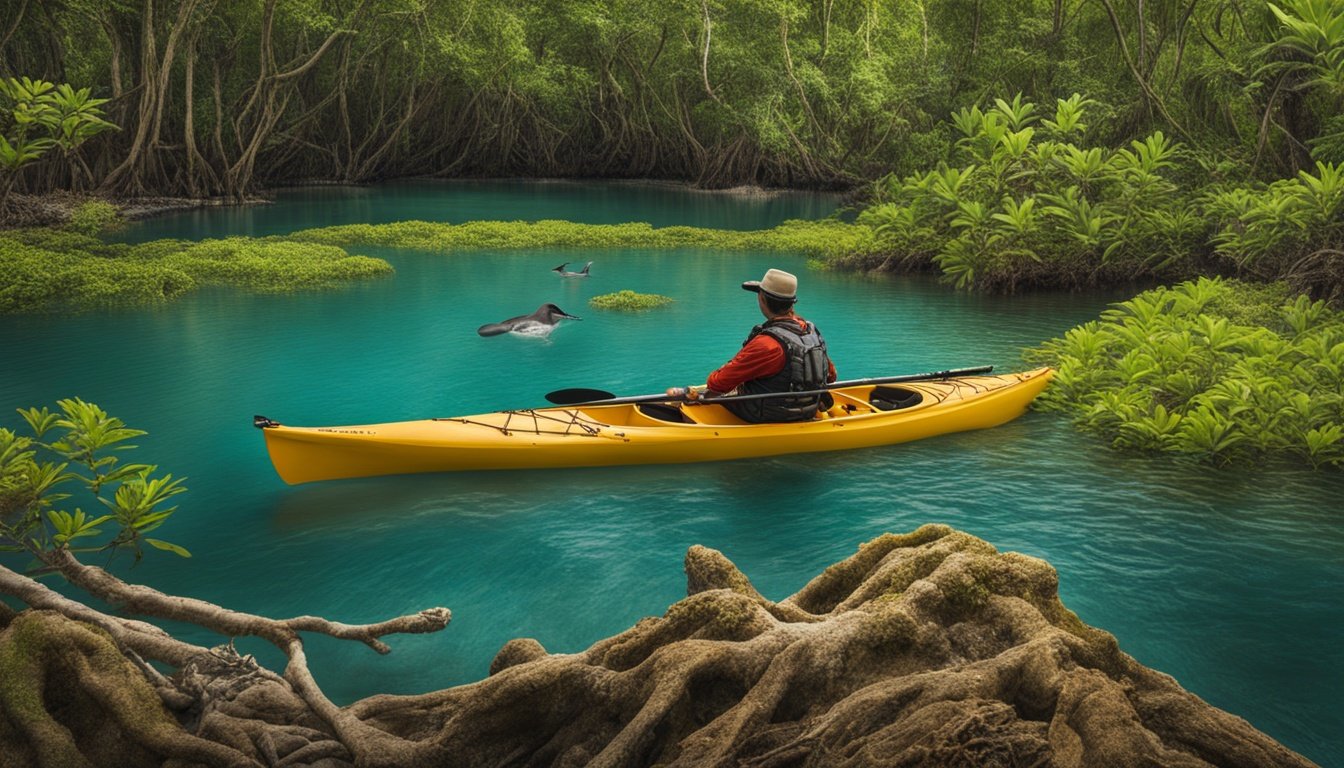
x,y
56,209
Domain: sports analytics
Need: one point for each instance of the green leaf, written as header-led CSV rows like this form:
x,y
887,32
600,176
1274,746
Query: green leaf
x,y
168,547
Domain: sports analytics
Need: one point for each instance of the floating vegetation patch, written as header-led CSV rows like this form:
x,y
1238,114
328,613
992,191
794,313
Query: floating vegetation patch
x,y
629,301
826,238
1218,369
44,270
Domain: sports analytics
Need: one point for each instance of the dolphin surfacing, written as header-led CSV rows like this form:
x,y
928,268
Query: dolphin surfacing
x,y
539,323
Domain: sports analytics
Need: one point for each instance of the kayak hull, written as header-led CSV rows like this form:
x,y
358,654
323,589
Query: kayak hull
x,y
592,436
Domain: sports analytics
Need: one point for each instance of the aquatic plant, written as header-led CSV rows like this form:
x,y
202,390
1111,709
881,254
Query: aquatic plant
x,y
95,217
1213,368
825,238
629,301
50,270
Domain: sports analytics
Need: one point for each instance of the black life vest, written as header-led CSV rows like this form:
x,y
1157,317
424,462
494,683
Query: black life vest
x,y
805,368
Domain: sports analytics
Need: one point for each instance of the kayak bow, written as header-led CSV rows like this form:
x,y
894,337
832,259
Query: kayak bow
x,y
645,433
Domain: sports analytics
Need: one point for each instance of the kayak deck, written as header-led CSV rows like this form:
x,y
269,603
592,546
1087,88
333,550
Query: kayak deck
x,y
646,433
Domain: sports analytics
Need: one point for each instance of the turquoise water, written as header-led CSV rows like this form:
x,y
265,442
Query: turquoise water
x,y
456,201
1229,580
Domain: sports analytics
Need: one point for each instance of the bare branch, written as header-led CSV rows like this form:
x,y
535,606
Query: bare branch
x,y
150,602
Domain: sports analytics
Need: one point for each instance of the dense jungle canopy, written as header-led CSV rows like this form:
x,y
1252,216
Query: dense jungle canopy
x,y
221,97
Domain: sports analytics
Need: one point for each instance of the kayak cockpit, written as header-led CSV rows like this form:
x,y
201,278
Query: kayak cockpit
x,y
858,401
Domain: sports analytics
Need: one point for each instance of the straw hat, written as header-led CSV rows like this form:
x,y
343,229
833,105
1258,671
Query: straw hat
x,y
776,283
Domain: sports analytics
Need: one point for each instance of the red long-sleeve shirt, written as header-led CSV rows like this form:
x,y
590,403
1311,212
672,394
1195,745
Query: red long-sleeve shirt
x,y
762,356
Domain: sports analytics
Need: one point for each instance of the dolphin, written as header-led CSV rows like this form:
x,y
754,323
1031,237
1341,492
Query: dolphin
x,y
539,323
581,273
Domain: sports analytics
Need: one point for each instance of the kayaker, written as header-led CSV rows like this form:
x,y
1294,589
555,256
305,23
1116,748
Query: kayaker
x,y
784,354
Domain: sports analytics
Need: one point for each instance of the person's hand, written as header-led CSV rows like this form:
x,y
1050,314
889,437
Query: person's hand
x,y
689,393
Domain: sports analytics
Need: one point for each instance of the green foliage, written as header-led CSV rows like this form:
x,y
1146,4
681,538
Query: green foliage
x,y
36,116
629,301
94,218
1212,368
1036,207
70,453
734,91
1311,41
53,270
1287,229
27,106
1041,210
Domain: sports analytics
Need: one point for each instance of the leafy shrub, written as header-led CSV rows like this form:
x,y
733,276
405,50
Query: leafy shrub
x,y
1291,229
1035,205
95,217
1213,368
37,116
76,448
629,301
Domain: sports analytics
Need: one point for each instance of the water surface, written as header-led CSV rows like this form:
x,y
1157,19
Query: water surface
x,y
1230,580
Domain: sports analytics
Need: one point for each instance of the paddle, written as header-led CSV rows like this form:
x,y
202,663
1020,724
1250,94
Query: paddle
x,y
583,396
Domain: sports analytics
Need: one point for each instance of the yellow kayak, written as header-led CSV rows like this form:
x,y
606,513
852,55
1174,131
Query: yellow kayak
x,y
646,433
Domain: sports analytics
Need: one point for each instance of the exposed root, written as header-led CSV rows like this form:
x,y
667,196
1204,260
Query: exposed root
x,y
927,648
52,667
930,648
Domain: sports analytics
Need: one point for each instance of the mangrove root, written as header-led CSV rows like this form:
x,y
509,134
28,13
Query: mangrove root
x,y
929,648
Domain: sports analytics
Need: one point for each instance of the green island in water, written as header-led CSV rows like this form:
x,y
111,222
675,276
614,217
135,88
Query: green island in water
x,y
622,512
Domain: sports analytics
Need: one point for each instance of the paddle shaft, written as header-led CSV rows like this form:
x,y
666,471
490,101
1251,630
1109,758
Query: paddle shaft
x,y
834,385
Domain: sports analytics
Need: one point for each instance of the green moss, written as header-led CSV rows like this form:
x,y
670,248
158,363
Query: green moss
x,y
887,624
629,301
966,591
43,270
717,614
22,646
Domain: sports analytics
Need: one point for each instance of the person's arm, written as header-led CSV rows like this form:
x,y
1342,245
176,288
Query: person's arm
x,y
830,370
762,356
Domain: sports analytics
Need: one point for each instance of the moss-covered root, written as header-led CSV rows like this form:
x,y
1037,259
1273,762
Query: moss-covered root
x,y
929,648
68,697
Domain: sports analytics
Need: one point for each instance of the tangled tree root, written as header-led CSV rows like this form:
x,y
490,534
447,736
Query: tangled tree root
x,y
929,648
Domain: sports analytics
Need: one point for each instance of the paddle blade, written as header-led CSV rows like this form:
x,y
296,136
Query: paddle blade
x,y
577,395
